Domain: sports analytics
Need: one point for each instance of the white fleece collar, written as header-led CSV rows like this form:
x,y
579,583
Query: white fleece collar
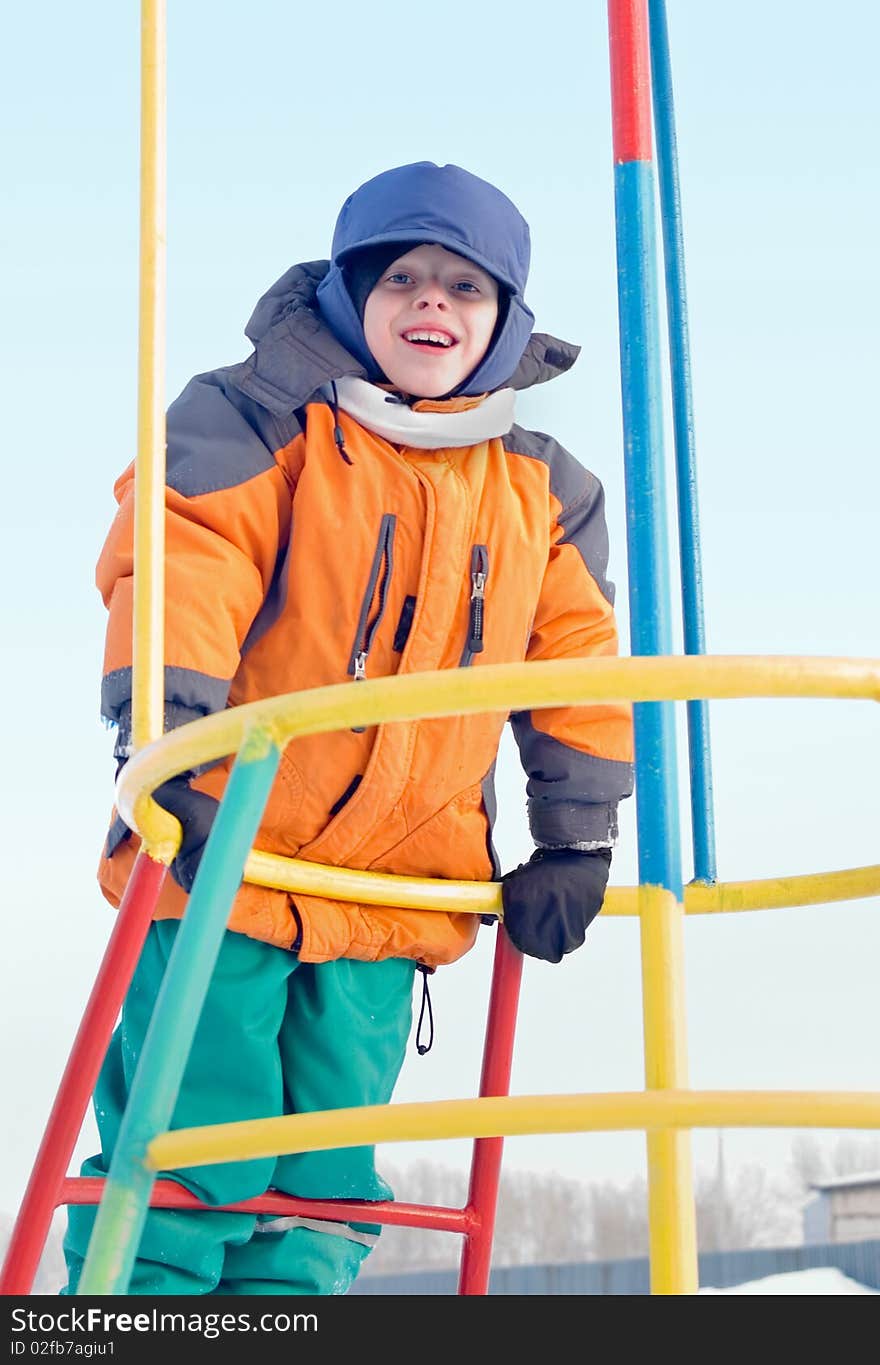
x,y
395,421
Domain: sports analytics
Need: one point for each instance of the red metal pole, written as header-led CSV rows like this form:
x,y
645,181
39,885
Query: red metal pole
x,y
476,1256
166,1194
80,1075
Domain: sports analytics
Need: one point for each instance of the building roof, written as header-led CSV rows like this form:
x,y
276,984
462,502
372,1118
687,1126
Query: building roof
x,y
841,1181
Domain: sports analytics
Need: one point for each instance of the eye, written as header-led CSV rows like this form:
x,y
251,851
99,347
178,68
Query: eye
x,y
467,285
398,275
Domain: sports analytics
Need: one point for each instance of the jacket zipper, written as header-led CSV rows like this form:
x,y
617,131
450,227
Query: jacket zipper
x,y
477,621
380,574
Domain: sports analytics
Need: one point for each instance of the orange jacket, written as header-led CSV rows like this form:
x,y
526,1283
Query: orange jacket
x,y
302,549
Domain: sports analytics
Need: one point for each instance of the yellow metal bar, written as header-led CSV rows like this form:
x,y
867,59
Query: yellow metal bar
x,y
148,629
484,898
512,1116
373,888
672,1227
774,893
443,692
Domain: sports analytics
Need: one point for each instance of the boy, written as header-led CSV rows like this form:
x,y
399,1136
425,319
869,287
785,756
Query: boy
x,y
355,500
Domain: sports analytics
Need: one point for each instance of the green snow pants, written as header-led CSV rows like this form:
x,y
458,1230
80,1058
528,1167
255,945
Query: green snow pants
x,y
276,1036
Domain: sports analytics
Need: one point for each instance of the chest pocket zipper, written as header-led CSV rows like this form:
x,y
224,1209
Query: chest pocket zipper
x,y
477,620
375,600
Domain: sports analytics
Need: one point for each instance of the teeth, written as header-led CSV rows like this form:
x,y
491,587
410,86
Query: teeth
x,y
439,337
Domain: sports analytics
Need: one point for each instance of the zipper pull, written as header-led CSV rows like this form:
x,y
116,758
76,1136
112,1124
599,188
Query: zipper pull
x,y
478,594
477,612
360,675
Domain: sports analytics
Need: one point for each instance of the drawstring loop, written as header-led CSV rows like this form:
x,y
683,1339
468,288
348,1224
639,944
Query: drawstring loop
x,y
338,436
422,1048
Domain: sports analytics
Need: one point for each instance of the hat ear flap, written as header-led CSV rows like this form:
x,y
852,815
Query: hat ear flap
x,y
338,311
362,270
504,352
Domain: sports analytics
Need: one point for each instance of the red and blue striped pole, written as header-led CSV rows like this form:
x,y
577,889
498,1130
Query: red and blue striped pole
x,y
647,538
700,758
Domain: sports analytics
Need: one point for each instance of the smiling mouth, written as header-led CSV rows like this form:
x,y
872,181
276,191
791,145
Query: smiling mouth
x,y
429,340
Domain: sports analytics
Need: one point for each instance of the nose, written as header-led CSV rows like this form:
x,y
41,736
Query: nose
x,y
431,294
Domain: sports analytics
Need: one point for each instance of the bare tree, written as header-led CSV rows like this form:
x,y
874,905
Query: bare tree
x,y
808,1162
619,1220
853,1155
540,1219
811,1163
748,1210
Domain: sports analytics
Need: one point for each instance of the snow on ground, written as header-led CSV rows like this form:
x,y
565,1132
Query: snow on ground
x,y
822,1280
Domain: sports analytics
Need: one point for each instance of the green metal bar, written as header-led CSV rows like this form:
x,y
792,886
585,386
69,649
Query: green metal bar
x,y
120,1219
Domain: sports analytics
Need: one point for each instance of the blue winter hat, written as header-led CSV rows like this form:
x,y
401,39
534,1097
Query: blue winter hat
x,y
446,205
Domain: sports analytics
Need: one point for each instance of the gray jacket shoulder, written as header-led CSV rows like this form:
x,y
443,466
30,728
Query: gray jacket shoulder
x,y
570,481
580,496
219,437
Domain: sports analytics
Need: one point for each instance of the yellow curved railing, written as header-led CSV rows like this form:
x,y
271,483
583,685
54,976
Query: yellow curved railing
x,y
667,1106
502,687
513,1116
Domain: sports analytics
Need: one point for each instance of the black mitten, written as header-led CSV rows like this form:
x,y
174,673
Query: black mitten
x,y
196,811
550,901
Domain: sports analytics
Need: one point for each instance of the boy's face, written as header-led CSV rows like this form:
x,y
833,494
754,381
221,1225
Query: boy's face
x,y
434,292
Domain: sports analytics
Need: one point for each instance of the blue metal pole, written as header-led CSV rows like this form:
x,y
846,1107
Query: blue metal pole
x,y
700,757
120,1219
648,546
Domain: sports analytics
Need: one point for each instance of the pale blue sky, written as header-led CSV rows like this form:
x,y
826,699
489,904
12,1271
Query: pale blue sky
x,y
275,115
